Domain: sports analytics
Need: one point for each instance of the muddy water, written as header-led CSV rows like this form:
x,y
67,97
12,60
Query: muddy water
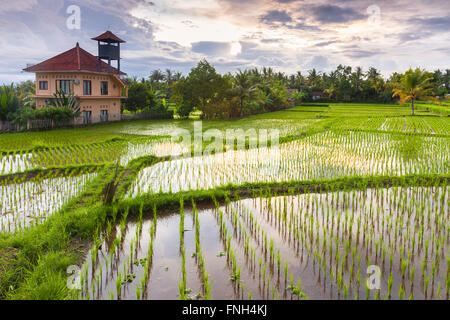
x,y
281,242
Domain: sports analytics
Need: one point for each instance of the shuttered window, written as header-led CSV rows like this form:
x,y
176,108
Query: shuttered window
x,y
87,87
64,86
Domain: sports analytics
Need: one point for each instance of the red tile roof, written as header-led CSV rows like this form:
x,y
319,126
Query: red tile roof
x,y
108,35
76,59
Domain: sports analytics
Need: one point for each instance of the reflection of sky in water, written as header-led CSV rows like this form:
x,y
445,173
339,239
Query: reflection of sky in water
x,y
322,156
326,214
165,129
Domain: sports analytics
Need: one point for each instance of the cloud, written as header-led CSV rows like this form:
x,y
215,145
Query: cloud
x,y
212,48
318,62
302,26
432,24
176,34
287,1
411,36
325,43
276,16
357,54
271,40
334,14
17,5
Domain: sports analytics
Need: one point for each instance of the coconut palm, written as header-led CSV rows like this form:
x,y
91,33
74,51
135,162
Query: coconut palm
x,y
414,85
243,89
157,76
313,78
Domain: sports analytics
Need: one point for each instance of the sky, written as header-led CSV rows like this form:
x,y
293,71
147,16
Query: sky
x,y
287,35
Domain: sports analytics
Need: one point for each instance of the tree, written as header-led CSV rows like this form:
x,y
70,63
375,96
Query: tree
x,y
202,87
156,77
313,79
9,101
414,85
138,97
61,100
300,96
243,90
183,97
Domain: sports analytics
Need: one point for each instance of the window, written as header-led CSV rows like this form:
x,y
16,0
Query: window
x,y
63,85
104,88
43,85
103,115
87,87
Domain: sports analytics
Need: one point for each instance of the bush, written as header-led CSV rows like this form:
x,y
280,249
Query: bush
x,y
54,113
159,112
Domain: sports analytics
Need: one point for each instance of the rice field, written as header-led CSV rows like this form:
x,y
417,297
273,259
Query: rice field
x,y
322,156
82,155
287,246
28,203
352,192
423,125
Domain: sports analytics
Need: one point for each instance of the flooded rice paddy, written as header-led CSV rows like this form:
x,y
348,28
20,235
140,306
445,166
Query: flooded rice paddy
x,y
289,246
23,204
321,156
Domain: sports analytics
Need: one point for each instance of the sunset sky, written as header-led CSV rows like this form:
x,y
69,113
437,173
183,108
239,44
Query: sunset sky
x,y
288,35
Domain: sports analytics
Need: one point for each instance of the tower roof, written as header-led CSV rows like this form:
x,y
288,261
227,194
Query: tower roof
x,y
108,36
75,59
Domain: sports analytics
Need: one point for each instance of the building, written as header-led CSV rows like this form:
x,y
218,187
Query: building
x,y
98,85
317,95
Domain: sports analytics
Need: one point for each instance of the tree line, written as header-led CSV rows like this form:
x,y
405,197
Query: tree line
x,y
241,94
262,90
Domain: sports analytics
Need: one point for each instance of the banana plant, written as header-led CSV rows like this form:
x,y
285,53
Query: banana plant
x,y
61,100
9,101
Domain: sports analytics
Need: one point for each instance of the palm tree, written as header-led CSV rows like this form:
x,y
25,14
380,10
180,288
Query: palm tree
x,y
157,76
373,74
313,78
169,77
177,76
415,84
356,78
243,89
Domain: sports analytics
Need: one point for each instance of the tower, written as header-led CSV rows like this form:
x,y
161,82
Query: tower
x,y
108,49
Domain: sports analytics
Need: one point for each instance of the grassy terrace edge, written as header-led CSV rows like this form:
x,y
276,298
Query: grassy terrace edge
x,y
34,262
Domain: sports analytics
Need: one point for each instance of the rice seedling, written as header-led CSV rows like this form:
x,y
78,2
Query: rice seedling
x,y
28,203
352,154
